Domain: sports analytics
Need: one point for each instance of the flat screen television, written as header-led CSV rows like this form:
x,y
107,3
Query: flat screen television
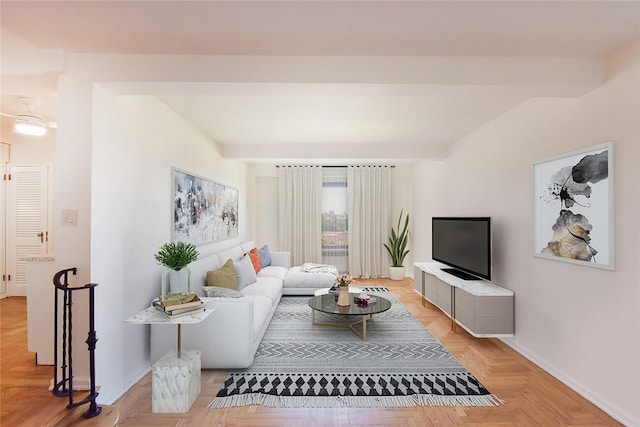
x,y
464,244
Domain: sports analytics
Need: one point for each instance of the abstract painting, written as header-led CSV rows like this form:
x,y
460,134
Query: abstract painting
x,y
574,207
203,210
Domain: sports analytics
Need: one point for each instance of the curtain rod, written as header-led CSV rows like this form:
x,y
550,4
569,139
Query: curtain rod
x,y
345,166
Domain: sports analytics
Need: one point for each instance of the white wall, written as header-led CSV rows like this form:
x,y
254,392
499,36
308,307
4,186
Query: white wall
x,y
579,323
428,201
262,182
137,140
73,191
27,149
401,199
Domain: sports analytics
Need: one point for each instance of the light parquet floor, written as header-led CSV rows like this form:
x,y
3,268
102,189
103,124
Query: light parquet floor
x,y
532,397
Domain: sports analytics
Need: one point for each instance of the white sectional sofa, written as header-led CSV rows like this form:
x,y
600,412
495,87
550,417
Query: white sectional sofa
x,y
297,282
229,337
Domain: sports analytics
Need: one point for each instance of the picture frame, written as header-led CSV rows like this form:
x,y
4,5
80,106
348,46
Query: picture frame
x,y
203,210
574,207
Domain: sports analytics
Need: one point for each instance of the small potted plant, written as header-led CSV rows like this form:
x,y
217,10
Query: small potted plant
x,y
343,281
176,279
397,247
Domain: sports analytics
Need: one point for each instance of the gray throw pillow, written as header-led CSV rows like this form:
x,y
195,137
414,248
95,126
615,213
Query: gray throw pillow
x,y
218,292
245,274
265,256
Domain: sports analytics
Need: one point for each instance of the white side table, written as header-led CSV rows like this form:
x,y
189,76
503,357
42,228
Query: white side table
x,y
176,375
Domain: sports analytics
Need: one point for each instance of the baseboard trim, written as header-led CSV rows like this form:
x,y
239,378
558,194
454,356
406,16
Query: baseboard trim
x,y
18,290
111,399
83,384
602,403
79,383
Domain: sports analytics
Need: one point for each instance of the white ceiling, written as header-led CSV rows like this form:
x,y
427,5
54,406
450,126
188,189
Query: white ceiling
x,y
277,113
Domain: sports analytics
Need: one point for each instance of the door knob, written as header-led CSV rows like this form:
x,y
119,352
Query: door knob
x,y
41,236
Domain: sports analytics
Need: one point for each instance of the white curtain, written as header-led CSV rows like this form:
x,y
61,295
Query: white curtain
x,y
300,212
368,207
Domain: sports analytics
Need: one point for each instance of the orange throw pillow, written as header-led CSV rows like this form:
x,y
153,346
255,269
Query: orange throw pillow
x,y
255,259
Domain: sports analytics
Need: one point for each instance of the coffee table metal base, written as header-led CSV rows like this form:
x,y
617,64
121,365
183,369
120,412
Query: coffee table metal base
x,y
363,321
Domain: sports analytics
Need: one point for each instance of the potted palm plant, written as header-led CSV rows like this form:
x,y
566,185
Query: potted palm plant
x,y
176,279
397,247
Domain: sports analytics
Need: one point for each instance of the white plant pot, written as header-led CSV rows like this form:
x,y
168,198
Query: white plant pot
x,y
396,273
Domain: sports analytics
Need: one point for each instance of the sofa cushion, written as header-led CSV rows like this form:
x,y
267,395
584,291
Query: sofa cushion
x,y
200,267
247,246
265,286
265,256
298,279
224,277
218,292
254,256
273,271
234,254
245,274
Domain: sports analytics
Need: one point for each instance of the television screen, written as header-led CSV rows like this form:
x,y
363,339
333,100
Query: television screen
x,y
463,243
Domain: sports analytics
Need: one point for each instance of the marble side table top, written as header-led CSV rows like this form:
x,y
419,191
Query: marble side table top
x,y
152,315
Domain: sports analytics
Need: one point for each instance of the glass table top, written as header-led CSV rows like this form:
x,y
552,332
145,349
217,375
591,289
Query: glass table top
x,y
327,304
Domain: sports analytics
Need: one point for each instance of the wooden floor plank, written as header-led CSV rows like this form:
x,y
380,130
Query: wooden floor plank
x,y
532,397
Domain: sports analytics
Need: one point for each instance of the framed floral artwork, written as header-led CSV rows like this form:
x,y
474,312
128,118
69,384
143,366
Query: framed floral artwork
x,y
573,207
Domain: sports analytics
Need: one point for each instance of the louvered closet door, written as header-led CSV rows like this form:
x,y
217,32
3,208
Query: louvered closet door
x,y
27,221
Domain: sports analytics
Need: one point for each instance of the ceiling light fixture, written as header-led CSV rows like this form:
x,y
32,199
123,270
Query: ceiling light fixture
x,y
26,124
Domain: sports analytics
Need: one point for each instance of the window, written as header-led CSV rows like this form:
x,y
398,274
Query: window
x,y
334,218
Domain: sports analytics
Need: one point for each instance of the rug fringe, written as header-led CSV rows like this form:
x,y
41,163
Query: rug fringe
x,y
354,401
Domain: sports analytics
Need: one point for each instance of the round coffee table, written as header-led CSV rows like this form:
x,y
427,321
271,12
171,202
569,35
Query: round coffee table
x,y
328,304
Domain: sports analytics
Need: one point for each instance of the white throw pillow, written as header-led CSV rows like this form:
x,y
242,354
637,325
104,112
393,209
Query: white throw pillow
x,y
245,273
218,292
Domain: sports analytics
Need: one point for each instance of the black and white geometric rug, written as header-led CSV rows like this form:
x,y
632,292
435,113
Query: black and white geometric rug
x,y
373,289
401,364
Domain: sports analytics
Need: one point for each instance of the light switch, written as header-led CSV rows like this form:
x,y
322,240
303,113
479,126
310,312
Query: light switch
x,y
70,217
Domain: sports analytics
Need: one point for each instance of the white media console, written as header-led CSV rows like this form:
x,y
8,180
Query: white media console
x,y
482,308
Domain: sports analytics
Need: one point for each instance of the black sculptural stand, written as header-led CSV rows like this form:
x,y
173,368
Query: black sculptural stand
x,y
64,387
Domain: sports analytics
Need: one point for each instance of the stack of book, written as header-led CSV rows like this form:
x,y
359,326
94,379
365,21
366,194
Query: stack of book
x,y
181,307
364,299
